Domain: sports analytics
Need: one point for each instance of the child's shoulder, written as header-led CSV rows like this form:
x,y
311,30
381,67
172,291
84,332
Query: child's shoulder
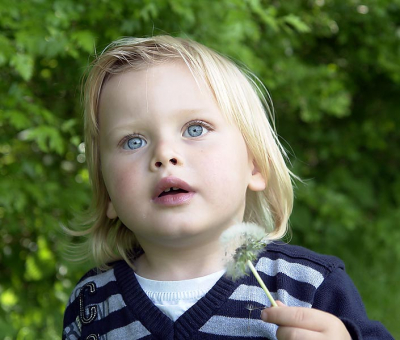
x,y
94,293
284,255
94,279
299,271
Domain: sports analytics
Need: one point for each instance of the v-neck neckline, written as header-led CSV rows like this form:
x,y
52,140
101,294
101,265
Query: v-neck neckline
x,y
155,321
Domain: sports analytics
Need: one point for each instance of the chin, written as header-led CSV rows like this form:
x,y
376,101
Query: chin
x,y
181,236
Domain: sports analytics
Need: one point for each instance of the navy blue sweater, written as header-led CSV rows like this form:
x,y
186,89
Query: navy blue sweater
x,y
112,305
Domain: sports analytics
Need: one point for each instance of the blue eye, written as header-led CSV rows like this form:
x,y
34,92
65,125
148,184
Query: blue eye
x,y
195,130
134,143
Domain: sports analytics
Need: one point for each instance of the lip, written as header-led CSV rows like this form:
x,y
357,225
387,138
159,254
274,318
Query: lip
x,y
177,199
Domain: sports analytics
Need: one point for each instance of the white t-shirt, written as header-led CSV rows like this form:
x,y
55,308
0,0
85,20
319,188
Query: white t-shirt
x,y
174,298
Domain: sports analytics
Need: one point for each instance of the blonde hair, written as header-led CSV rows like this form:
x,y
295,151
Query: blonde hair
x,y
240,96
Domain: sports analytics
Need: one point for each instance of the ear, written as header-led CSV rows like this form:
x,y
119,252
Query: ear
x,y
111,213
257,181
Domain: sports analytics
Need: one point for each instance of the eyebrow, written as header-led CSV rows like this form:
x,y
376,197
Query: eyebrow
x,y
120,127
133,121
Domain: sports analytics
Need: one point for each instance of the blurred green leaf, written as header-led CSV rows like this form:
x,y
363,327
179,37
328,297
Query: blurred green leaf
x,y
48,138
296,23
23,64
85,39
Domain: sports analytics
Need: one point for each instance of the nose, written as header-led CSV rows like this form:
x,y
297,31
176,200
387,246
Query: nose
x,y
173,161
165,155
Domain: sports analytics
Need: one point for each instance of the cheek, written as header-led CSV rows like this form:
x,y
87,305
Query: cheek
x,y
225,166
119,178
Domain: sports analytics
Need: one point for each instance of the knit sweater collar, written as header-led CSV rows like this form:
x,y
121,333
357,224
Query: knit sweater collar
x,y
158,323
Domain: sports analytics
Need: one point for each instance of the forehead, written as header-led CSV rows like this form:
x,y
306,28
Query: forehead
x,y
169,82
151,76
157,89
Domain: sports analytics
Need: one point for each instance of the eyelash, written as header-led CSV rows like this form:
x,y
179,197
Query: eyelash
x,y
128,137
187,125
198,122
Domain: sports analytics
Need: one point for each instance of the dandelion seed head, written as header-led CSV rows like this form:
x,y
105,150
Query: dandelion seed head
x,y
242,242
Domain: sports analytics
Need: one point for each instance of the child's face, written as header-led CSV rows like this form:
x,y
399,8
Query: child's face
x,y
160,129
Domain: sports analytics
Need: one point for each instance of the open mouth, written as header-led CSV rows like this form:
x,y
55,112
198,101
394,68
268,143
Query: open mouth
x,y
172,191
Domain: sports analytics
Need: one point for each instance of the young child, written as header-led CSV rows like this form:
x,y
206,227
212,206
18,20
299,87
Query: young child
x,y
180,148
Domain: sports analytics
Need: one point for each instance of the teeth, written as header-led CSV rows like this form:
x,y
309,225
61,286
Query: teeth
x,y
169,189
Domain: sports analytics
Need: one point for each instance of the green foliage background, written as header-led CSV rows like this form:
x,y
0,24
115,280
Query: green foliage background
x,y
333,71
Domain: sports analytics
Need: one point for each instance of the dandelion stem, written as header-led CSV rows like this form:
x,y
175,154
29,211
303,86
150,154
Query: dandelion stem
x,y
262,284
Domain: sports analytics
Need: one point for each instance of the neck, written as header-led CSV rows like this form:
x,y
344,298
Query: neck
x,y
179,263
